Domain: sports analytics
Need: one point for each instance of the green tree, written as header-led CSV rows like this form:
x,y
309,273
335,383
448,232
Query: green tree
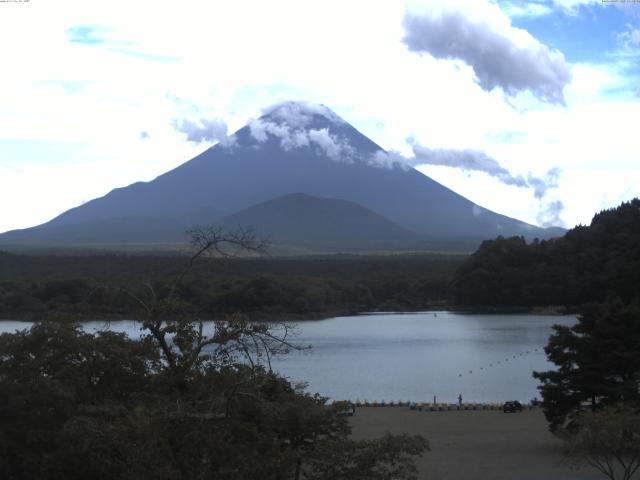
x,y
598,363
48,375
608,440
186,401
588,264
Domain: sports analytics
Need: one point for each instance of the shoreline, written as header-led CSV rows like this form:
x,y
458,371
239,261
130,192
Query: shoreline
x,y
438,406
555,310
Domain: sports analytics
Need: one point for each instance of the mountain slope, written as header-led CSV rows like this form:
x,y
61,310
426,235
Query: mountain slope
x,y
302,220
294,148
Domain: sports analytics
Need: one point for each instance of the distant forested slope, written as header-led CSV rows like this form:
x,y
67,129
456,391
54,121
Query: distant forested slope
x,y
590,263
89,286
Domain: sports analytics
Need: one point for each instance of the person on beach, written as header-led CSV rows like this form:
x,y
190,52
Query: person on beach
x,y
459,399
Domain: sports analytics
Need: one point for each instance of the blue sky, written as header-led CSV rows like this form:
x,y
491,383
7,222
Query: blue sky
x,y
585,34
92,92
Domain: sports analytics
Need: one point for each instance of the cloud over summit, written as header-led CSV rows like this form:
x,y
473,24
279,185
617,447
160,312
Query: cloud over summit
x,y
336,148
300,114
296,125
481,35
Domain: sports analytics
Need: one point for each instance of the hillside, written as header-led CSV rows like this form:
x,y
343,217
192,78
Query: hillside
x,y
303,220
590,263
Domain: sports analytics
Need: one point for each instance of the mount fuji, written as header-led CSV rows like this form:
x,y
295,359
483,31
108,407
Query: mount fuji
x,y
299,174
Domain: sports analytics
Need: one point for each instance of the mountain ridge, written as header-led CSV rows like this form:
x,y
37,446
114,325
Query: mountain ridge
x,y
292,148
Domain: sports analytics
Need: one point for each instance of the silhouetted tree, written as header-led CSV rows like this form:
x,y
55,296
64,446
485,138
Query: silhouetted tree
x,y
597,360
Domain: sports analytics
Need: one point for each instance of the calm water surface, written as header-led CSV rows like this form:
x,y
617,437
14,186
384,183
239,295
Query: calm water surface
x,y
486,358
416,356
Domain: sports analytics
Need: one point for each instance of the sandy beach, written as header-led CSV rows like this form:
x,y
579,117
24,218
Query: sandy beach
x,y
476,445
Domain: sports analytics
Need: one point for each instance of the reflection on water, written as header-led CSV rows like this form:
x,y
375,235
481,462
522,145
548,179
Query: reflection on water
x,y
413,357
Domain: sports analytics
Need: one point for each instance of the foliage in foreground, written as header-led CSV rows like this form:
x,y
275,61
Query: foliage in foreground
x,y
181,403
608,440
75,405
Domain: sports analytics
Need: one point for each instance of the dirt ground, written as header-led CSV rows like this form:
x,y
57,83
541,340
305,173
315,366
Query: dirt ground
x,y
476,445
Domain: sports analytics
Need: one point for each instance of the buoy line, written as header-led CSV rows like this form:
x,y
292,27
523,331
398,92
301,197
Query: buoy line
x,y
506,359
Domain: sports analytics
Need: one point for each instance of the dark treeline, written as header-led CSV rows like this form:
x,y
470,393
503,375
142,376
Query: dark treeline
x,y
177,404
589,264
34,286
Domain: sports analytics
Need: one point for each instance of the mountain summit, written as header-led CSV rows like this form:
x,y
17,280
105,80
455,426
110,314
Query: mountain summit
x,y
293,148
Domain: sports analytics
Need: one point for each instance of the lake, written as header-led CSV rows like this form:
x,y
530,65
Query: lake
x,y
414,356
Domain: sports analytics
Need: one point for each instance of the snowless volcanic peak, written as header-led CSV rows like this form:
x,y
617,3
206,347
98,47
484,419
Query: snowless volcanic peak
x,y
293,147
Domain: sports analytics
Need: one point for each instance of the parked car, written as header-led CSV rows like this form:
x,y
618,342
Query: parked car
x,y
512,407
346,409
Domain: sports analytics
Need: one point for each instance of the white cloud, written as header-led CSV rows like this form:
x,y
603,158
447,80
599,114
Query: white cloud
x,y
572,5
478,161
202,130
540,185
525,9
501,55
549,216
467,160
231,65
629,38
261,130
296,135
335,148
392,159
300,113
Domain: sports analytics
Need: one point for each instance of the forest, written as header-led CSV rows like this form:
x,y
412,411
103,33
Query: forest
x,y
33,286
589,264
